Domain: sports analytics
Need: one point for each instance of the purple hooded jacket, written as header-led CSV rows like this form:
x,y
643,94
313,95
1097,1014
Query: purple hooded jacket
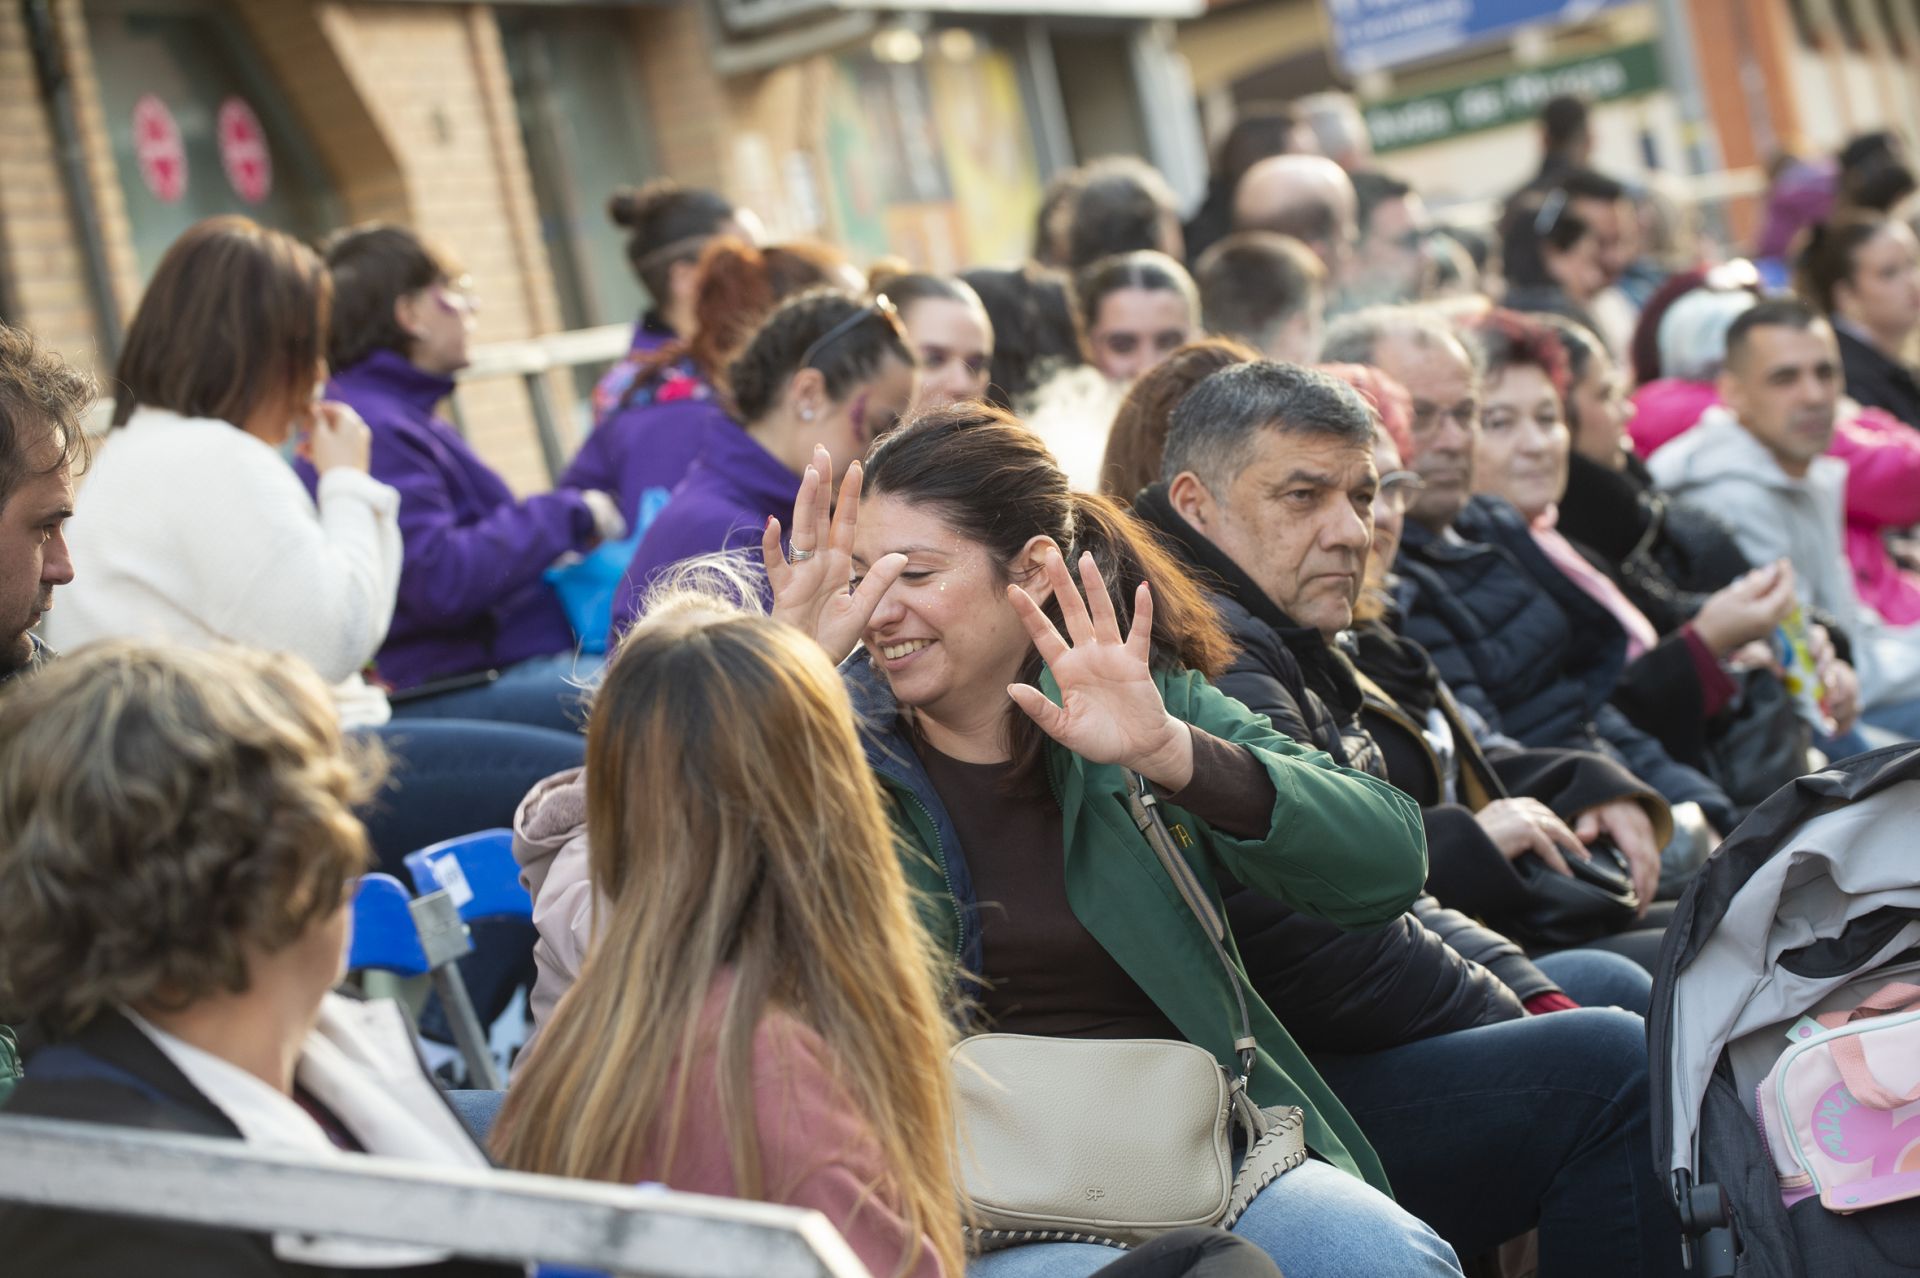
x,y
722,504
471,593
644,447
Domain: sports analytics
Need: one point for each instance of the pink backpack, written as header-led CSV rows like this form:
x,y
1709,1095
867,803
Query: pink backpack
x,y
1840,1110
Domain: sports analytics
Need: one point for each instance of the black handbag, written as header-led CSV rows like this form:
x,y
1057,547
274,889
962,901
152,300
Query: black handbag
x,y
1562,911
1759,743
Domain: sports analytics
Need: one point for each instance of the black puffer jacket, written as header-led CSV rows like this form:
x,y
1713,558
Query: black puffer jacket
x,y
1535,655
1427,972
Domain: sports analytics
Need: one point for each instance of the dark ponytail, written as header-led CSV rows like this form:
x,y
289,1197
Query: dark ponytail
x,y
1826,259
666,223
756,377
993,481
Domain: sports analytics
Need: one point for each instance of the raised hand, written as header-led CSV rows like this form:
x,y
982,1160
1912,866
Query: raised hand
x,y
1110,711
810,590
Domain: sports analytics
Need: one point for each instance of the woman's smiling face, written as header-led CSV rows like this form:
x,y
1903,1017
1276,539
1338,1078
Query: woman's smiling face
x,y
944,634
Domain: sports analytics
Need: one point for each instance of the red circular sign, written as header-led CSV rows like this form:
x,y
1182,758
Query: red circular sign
x,y
158,149
243,151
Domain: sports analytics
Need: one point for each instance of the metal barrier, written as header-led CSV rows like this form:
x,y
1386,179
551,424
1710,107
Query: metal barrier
x,y
491,1215
532,360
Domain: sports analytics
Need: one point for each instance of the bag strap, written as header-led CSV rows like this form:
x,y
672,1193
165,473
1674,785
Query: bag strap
x,y
1152,823
1895,996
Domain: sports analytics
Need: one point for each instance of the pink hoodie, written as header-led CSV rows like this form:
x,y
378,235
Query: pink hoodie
x,y
1883,483
550,843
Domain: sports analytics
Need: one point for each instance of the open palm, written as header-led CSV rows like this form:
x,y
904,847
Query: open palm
x,y
810,591
1110,710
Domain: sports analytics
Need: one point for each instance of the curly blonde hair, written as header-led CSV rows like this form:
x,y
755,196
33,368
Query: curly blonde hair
x,y
164,812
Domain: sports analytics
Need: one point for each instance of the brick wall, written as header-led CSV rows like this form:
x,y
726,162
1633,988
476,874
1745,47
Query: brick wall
x,y
433,81
40,251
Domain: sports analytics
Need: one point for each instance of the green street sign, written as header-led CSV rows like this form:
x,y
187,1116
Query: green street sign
x,y
1399,123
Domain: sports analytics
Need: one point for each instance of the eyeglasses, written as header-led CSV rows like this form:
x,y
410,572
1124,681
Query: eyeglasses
x,y
881,306
1397,488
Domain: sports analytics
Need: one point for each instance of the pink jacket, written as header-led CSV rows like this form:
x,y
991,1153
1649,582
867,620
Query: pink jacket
x,y
550,843
816,1148
1883,483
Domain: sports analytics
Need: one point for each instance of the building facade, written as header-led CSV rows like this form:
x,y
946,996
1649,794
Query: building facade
x,y
500,130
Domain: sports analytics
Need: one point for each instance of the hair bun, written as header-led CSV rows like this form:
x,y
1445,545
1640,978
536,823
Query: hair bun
x,y
630,206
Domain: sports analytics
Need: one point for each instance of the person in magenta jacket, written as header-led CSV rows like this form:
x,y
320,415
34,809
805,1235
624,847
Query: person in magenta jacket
x,y
473,600
823,369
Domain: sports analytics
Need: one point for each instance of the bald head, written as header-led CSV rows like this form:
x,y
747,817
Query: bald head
x,y
1306,196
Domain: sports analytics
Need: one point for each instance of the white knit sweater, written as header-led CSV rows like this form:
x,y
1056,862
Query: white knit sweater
x,y
189,529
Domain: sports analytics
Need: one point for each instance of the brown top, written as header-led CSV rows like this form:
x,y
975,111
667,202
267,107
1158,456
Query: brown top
x,y
1045,973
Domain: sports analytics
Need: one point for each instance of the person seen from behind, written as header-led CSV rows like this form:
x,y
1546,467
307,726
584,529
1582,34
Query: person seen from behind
x,y
667,227
217,388
1267,290
179,852
675,403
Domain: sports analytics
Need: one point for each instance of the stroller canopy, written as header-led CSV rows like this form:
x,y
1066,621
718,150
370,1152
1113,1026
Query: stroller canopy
x,y
1819,884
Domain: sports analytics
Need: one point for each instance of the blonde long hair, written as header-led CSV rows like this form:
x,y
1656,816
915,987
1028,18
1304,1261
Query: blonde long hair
x,y
734,824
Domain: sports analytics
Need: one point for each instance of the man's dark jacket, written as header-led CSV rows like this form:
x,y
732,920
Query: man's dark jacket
x,y
1340,991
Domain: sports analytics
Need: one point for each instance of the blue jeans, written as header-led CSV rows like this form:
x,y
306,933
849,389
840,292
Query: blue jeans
x,y
1597,978
1535,1123
1901,720
1315,1222
541,692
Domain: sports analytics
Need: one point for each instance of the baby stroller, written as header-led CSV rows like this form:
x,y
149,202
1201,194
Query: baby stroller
x,y
1808,911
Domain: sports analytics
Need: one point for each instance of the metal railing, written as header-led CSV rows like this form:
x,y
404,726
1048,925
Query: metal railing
x,y
483,1214
532,360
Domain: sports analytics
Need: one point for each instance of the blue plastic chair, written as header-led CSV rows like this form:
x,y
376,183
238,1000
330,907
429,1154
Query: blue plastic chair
x,y
385,936
478,871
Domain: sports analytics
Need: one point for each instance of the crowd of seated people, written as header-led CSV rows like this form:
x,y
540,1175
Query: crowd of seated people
x,y
1444,652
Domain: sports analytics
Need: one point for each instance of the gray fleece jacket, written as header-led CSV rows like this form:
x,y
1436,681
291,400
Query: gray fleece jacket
x,y
1720,468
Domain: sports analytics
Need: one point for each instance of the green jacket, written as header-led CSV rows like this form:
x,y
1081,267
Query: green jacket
x,y
1343,846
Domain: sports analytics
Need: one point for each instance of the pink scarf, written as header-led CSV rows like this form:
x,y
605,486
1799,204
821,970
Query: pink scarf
x,y
1641,635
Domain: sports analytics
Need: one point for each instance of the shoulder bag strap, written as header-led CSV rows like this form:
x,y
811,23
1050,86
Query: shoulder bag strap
x,y
1145,807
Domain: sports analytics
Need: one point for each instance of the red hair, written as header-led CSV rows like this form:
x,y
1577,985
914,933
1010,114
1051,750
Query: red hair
x,y
738,287
1387,397
1509,339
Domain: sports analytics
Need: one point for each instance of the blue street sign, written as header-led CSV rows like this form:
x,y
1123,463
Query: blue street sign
x,y
1373,35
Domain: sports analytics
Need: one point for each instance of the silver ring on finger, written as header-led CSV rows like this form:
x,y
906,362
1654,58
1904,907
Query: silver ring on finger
x,y
797,555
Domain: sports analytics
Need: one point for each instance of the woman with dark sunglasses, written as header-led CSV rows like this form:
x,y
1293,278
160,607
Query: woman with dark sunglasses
x,y
823,370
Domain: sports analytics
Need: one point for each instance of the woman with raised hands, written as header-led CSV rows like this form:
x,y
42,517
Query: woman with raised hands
x,y
759,1013
1005,713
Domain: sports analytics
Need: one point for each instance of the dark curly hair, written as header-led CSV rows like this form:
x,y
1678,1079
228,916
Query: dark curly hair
x,y
757,376
164,812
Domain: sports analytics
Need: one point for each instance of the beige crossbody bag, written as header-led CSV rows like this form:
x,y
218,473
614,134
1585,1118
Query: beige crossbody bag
x,y
1116,1141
